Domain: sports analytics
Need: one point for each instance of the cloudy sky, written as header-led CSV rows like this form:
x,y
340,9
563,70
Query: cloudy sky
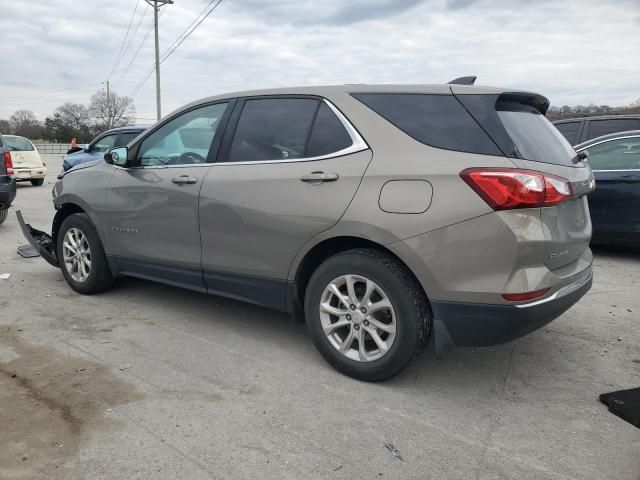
x,y
573,52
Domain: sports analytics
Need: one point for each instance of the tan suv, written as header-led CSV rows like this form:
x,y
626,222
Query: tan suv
x,y
382,215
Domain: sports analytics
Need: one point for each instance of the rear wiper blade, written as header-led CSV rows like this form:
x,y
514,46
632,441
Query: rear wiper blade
x,y
580,157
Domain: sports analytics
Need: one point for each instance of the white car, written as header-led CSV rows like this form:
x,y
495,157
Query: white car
x,y
27,163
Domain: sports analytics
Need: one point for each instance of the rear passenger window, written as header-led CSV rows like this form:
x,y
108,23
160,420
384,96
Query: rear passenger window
x,y
597,128
569,130
125,138
328,134
436,120
273,129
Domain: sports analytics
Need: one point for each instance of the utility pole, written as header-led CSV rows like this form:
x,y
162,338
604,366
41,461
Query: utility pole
x,y
156,4
108,107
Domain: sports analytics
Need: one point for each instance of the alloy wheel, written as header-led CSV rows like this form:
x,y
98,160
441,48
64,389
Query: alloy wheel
x,y
358,318
76,255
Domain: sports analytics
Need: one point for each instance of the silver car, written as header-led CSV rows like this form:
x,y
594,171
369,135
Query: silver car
x,y
383,216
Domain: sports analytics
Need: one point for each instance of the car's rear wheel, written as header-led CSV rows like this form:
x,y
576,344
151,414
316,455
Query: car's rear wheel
x,y
367,315
81,255
37,182
3,214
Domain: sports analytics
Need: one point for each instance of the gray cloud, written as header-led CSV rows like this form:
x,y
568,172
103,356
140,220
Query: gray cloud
x,y
573,51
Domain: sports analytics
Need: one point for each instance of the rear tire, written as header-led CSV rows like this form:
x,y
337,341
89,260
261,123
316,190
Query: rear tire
x,y
81,256
3,214
37,182
387,318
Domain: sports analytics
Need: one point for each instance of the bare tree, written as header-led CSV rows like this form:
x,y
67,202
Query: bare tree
x,y
118,112
74,115
5,127
25,123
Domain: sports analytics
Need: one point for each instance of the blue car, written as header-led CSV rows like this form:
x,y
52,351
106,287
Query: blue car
x,y
114,138
615,203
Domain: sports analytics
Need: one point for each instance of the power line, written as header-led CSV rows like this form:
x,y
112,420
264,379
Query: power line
x,y
133,35
126,35
135,55
181,38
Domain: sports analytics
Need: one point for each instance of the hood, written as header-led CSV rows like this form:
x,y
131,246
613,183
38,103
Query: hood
x,y
79,167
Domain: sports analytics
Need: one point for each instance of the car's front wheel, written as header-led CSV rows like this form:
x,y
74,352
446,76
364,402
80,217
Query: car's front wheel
x,y
367,315
3,215
81,255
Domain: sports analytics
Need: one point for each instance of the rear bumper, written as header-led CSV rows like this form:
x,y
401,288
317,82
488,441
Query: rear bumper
x,y
7,190
30,173
38,240
477,325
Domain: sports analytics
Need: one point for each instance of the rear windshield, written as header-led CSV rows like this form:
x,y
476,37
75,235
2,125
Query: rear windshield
x,y
533,135
20,144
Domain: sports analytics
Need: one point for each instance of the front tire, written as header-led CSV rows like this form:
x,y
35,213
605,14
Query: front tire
x,y
367,314
81,256
37,182
3,215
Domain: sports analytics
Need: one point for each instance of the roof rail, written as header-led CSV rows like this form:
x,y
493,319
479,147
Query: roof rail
x,y
463,81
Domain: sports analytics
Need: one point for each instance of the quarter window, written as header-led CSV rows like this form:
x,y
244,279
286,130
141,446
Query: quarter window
x,y
328,134
436,120
185,140
569,130
273,129
619,154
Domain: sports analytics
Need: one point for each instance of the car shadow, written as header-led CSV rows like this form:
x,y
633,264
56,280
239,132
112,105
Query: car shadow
x,y
463,371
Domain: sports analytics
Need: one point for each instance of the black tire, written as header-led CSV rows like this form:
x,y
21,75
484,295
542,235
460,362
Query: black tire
x,y
3,215
413,318
100,277
37,182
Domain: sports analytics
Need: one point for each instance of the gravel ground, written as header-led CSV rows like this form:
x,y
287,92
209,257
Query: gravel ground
x,y
149,381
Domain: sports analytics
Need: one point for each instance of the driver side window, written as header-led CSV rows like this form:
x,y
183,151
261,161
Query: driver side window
x,y
185,140
105,143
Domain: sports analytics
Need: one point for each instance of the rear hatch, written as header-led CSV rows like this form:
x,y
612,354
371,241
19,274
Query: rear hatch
x,y
523,133
23,153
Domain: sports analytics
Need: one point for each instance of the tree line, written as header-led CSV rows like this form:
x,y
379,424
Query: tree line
x,y
73,120
566,111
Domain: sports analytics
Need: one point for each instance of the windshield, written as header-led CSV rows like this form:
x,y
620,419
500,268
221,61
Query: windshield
x,y
533,135
18,143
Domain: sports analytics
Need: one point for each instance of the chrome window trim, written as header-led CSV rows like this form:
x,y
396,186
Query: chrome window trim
x,y
155,167
358,145
611,140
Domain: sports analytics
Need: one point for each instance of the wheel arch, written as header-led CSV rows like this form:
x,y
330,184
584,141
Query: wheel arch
x,y
63,212
322,251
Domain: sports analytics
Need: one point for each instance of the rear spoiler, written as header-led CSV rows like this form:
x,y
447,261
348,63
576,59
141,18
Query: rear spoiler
x,y
535,100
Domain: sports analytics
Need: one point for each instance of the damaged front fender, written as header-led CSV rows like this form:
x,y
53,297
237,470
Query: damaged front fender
x,y
42,242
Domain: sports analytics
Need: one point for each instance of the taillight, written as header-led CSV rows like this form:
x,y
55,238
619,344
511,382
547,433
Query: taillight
x,y
521,297
8,163
508,188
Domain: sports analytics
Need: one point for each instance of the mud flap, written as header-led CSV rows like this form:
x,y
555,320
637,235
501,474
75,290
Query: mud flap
x,y
42,242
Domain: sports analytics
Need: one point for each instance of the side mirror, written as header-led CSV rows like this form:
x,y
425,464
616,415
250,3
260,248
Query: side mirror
x,y
116,156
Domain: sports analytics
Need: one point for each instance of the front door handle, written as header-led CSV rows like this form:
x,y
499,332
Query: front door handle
x,y
183,179
319,177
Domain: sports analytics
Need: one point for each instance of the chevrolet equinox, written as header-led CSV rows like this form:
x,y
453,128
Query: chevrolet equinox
x,y
382,215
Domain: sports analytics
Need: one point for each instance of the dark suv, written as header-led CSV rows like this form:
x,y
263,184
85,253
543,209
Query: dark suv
x,y
579,130
7,180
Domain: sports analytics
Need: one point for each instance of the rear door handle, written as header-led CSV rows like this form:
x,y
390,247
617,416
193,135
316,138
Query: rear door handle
x,y
182,179
319,177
